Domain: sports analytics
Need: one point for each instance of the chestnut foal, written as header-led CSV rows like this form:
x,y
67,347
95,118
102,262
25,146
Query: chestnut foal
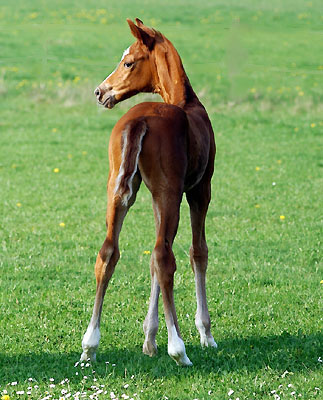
x,y
170,146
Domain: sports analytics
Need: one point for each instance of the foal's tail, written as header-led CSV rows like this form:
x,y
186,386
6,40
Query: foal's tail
x,y
131,146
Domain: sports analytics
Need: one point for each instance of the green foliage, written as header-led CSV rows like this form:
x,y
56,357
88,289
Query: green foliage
x,y
257,68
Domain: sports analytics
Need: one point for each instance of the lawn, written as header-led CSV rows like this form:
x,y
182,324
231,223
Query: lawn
x,y
257,67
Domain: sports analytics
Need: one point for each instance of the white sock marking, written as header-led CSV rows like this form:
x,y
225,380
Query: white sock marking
x,y
206,339
91,338
90,343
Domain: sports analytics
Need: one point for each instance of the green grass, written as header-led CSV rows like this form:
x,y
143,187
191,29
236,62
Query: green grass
x,y
258,69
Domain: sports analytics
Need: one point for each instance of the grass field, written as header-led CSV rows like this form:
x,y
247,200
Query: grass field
x,y
258,69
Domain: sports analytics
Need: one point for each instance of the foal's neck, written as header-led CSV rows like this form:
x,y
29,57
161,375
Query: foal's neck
x,y
181,93
172,83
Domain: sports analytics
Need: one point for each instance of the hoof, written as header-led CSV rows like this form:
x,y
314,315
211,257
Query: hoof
x,y
176,350
181,359
149,348
208,342
88,354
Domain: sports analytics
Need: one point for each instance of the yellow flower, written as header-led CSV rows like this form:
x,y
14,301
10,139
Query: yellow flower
x,y
62,224
84,153
69,156
76,79
257,206
21,84
296,129
56,170
257,168
101,11
146,252
14,166
18,204
313,125
279,161
5,397
321,282
253,90
54,130
282,217
33,15
301,93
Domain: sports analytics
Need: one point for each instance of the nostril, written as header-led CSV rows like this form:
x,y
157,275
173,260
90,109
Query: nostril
x,y
97,92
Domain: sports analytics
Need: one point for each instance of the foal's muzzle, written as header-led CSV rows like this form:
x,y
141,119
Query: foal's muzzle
x,y
105,98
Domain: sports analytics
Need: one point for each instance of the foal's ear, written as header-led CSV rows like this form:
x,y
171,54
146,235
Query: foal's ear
x,y
141,35
139,22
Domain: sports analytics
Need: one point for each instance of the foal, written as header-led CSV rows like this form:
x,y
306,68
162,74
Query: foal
x,y
170,146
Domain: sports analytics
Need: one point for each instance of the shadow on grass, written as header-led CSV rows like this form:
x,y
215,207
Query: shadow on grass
x,y
251,354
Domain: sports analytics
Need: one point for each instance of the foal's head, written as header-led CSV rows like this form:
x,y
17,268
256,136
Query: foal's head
x,y
134,73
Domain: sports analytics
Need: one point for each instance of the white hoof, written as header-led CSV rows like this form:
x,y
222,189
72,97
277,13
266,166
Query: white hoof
x,y
149,348
208,341
181,359
88,354
176,350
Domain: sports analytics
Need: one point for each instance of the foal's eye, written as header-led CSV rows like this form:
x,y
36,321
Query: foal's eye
x,y
128,64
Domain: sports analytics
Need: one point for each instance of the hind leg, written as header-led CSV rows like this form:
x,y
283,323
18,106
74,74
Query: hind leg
x,y
151,321
166,206
105,264
198,199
